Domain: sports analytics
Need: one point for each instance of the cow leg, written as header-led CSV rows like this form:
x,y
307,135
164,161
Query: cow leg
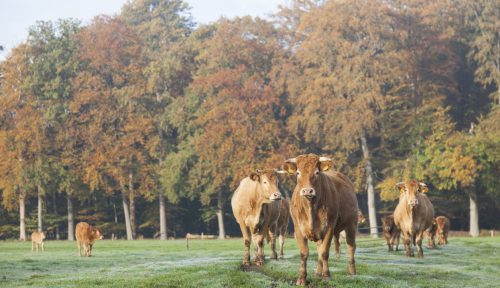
x,y
36,244
336,239
351,247
397,241
407,243
282,242
90,249
79,244
419,238
258,242
390,243
319,268
32,247
304,254
272,238
246,239
43,244
324,253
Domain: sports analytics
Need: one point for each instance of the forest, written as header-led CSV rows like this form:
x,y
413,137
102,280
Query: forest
x,y
143,123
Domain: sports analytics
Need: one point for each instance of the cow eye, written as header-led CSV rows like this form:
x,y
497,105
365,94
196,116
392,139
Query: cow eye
x,y
297,173
316,173
265,182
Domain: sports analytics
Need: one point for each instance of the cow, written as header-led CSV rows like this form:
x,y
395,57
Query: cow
x,y
413,214
442,229
282,225
323,204
37,240
256,207
86,235
361,220
391,232
431,235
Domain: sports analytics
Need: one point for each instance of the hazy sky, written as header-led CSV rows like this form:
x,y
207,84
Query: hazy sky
x,y
16,16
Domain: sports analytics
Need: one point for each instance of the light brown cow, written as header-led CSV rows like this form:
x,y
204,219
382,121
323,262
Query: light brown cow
x,y
391,232
361,220
281,226
86,236
442,229
323,204
413,215
37,240
256,207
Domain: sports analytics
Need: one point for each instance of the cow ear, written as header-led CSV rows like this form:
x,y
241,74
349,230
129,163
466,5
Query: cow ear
x,y
325,163
401,187
423,187
290,166
254,176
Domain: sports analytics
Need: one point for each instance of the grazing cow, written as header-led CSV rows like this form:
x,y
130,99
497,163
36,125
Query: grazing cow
x,y
442,229
86,236
414,214
281,225
256,207
431,235
361,220
323,204
37,240
391,232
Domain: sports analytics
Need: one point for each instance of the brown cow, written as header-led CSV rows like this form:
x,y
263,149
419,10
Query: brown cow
x,y
86,236
256,207
414,214
361,220
36,240
281,226
323,204
442,229
391,232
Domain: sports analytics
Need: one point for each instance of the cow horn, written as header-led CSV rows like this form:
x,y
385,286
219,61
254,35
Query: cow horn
x,y
259,171
321,159
291,160
400,184
281,172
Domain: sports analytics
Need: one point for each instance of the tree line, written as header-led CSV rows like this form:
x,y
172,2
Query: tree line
x,y
144,123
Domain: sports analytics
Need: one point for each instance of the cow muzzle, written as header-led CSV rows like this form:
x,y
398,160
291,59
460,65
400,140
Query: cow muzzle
x,y
413,202
275,196
101,237
309,193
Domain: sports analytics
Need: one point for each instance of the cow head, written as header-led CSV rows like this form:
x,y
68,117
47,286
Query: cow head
x,y
42,236
361,217
387,223
410,189
97,234
307,168
268,183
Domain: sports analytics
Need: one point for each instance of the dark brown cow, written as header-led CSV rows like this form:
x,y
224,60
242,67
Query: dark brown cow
x,y
442,229
323,204
86,236
256,207
413,215
281,227
391,232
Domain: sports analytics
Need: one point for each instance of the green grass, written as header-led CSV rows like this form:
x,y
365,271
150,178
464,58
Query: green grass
x,y
465,262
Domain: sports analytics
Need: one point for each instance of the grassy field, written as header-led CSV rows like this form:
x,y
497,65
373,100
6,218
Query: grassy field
x,y
465,262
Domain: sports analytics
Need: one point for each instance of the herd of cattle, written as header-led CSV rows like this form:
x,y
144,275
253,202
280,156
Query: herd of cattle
x,y
323,208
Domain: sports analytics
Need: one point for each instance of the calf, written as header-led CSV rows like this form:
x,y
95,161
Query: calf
x,y
442,229
323,204
282,225
37,240
413,215
256,207
86,235
391,232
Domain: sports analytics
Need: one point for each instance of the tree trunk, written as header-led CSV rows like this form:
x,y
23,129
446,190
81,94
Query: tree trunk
x,y
40,207
132,204
127,215
163,217
71,221
372,212
474,215
22,224
54,205
220,216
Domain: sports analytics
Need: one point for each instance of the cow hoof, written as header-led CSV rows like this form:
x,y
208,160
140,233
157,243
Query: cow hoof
x,y
301,282
352,271
245,264
259,263
281,257
326,277
318,273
